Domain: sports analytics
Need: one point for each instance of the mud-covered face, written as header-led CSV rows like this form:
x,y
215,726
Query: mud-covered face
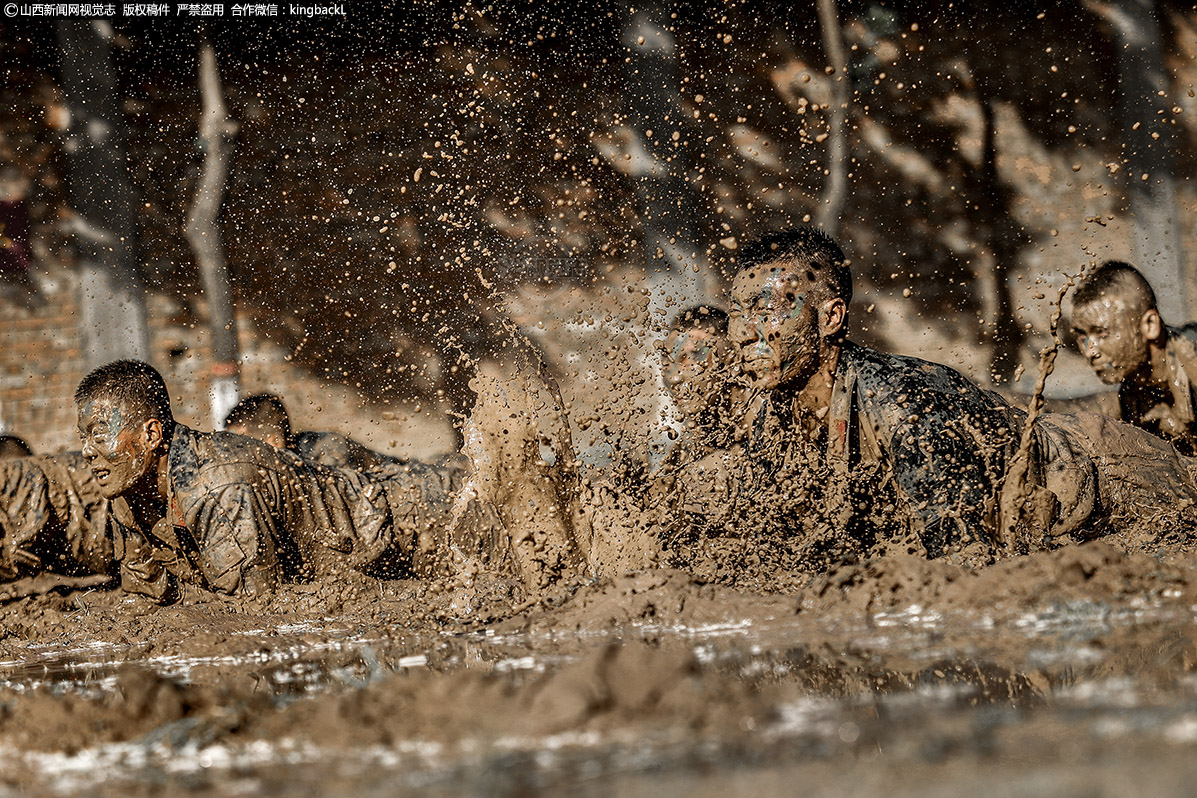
x,y
773,325
693,370
1110,336
118,452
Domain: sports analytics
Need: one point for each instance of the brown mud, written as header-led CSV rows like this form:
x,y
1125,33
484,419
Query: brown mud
x,y
1057,669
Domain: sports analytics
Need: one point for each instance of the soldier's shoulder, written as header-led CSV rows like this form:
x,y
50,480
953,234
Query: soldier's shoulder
x,y
895,375
1188,331
1184,339
322,446
337,449
68,468
59,467
209,458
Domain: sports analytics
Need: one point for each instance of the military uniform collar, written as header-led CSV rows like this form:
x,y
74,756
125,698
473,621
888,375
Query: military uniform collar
x,y
839,415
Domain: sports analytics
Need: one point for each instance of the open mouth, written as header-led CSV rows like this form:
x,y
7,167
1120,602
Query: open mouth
x,y
100,474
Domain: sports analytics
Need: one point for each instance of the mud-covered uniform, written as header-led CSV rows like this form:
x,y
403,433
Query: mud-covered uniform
x,y
1111,478
942,445
53,517
940,441
335,449
1171,412
242,516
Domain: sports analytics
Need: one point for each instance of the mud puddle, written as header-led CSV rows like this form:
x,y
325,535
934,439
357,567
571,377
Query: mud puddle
x,y
649,682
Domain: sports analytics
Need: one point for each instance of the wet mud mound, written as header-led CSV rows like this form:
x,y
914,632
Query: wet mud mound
x,y
612,687
663,597
140,704
1094,571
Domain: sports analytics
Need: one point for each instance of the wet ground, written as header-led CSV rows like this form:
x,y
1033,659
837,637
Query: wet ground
x,y
1070,673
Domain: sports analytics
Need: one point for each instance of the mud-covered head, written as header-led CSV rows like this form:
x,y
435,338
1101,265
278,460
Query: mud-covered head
x,y
12,446
789,305
1116,321
125,423
695,359
262,416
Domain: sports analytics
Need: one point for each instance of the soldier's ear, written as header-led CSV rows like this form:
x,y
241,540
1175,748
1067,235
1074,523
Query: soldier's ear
x,y
832,316
153,433
1151,325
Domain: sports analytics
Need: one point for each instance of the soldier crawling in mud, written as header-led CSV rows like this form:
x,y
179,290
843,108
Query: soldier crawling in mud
x,y
695,359
231,514
1120,332
52,518
264,417
934,447
216,510
824,409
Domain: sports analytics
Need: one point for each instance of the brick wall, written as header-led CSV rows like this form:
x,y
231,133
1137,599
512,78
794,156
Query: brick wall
x,y
41,362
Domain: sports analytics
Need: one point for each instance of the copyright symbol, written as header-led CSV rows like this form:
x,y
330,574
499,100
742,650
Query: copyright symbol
x,y
10,9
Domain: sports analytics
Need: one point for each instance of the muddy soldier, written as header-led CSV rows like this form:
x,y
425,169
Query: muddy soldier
x,y
941,442
939,446
53,518
216,510
231,514
265,417
1120,332
695,364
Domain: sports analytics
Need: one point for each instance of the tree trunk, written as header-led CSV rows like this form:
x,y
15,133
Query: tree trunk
x,y
216,133
835,192
112,297
1147,136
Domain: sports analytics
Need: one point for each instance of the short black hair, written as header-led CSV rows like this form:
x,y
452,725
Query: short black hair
x,y
1115,277
261,410
134,385
706,316
12,446
806,244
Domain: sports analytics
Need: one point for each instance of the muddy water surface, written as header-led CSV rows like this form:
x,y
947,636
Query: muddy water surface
x,y
1064,673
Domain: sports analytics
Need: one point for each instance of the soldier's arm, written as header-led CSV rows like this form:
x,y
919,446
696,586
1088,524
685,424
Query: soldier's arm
x,y
1102,402
357,513
142,565
232,536
26,515
945,480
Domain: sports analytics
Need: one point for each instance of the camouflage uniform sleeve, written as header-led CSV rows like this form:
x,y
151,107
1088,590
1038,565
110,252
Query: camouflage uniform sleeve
x,y
83,512
24,514
234,534
429,515
1067,469
946,481
142,564
324,448
348,513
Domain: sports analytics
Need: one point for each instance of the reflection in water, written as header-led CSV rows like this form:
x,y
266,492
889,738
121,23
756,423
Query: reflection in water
x,y
915,692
